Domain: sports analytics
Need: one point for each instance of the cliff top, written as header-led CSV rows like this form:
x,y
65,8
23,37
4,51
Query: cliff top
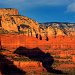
x,y
8,11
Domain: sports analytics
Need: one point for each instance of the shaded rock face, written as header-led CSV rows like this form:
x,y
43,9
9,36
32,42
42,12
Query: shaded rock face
x,y
36,54
8,68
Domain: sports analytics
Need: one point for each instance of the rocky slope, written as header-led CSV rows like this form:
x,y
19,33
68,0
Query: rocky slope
x,y
59,28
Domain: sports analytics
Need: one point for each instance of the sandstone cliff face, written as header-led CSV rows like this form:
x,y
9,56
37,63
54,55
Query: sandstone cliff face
x,y
12,22
8,11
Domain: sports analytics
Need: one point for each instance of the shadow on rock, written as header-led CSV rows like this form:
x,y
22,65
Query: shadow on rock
x,y
37,55
8,68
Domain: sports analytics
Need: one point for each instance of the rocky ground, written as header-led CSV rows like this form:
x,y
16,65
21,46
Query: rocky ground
x,y
63,53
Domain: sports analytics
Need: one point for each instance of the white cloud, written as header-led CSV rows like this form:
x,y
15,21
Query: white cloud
x,y
71,7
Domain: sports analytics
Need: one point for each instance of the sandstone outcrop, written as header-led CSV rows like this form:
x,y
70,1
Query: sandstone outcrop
x,y
12,22
8,11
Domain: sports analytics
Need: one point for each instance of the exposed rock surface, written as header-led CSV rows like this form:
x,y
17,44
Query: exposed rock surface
x,y
12,22
59,28
8,11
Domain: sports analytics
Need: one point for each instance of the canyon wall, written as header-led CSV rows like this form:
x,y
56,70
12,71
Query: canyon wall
x,y
13,26
12,22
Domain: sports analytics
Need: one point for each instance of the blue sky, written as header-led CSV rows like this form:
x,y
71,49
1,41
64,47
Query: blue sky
x,y
44,10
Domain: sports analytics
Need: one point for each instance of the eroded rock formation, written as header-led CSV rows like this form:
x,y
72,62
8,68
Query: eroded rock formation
x,y
12,22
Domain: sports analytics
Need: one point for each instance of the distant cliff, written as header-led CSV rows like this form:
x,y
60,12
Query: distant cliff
x,y
58,28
